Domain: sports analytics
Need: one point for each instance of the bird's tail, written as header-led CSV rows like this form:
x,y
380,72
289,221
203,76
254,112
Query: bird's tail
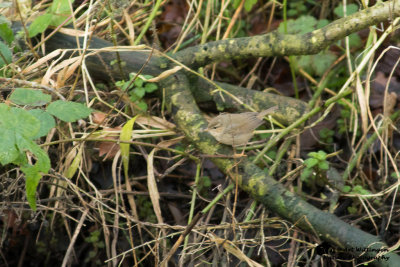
x,y
266,112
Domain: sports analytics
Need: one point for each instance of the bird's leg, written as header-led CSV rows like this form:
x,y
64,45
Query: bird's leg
x,y
235,155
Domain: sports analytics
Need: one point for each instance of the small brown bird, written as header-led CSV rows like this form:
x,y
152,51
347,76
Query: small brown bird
x,y
236,129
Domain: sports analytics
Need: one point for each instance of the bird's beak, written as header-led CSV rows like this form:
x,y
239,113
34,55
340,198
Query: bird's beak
x,y
206,130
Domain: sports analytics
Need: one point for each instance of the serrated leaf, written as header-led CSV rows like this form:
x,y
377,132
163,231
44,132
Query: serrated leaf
x,y
68,111
25,96
39,25
47,122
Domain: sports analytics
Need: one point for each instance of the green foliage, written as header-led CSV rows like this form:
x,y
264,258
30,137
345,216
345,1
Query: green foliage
x,y
146,211
203,187
20,127
296,8
137,88
350,9
313,64
342,121
68,111
6,55
248,4
316,64
315,165
97,243
326,136
6,32
360,190
55,15
25,96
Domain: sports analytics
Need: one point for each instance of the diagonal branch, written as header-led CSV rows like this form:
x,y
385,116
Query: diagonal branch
x,y
277,44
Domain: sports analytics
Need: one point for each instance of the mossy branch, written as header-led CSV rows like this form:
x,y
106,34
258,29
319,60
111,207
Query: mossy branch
x,y
277,44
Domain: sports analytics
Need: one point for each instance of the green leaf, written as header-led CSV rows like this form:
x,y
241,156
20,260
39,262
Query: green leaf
x,y
358,189
33,172
68,111
322,61
6,33
47,122
305,62
346,189
354,40
15,124
6,55
21,122
236,3
150,87
310,162
352,210
322,23
24,96
324,165
312,154
39,25
138,82
248,4
61,10
142,105
350,9
302,25
8,151
306,174
321,155
139,91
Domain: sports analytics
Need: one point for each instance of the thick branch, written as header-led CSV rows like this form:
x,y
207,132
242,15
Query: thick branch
x,y
276,44
263,187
